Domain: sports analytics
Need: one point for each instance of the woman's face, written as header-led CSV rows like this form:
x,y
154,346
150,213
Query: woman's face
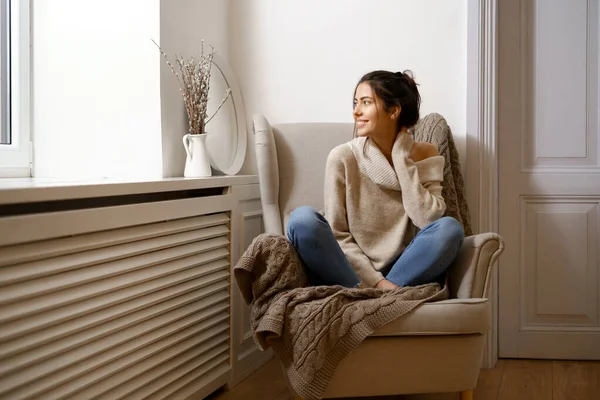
x,y
369,114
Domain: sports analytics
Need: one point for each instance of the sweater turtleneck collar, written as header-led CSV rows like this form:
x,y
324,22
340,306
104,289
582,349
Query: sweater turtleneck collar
x,y
375,166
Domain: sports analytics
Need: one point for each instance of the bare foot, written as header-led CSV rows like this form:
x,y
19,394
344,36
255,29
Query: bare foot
x,y
385,284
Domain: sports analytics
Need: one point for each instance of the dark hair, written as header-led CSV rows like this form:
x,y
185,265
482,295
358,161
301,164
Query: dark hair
x,y
396,89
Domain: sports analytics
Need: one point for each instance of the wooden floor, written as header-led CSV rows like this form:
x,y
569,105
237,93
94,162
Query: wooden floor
x,y
510,380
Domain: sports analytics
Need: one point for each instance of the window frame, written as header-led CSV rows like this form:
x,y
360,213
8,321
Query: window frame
x,y
16,158
5,72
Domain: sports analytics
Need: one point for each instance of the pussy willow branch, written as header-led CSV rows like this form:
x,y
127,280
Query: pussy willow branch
x,y
227,93
168,62
194,86
185,90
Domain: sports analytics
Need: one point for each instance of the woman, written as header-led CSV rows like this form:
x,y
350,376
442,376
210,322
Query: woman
x,y
383,224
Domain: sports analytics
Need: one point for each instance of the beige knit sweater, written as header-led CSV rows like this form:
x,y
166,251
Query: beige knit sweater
x,y
374,208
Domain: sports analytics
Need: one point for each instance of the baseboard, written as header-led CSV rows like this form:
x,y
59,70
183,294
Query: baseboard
x,y
253,366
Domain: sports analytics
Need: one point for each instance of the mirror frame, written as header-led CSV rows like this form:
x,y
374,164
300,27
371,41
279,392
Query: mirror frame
x,y
240,115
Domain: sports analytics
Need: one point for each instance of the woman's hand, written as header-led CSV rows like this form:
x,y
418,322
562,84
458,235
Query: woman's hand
x,y
385,284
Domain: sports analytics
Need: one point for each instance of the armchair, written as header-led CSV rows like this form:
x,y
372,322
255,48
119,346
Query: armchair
x,y
436,348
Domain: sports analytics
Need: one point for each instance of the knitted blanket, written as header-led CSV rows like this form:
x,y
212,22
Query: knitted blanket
x,y
433,128
311,329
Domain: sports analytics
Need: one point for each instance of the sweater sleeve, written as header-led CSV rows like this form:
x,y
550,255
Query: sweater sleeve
x,y
423,202
335,212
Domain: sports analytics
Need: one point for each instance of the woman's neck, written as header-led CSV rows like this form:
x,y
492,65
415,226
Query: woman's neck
x,y
385,143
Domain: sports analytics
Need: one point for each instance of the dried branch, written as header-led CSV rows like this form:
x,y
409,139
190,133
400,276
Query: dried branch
x,y
227,93
194,86
167,60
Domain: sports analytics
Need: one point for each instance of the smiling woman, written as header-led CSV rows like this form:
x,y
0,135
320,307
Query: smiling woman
x,y
396,91
383,224
388,102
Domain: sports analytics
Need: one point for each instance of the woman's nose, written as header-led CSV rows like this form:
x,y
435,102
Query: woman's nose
x,y
357,110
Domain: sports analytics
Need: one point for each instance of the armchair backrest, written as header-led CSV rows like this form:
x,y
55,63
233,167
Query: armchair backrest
x,y
291,165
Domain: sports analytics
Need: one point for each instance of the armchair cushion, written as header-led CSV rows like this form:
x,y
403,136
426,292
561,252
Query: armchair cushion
x,y
446,317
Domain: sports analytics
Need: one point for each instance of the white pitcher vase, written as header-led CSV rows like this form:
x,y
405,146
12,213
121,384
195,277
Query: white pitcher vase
x,y
197,163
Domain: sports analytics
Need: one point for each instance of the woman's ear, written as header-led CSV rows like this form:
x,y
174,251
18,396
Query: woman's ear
x,y
395,112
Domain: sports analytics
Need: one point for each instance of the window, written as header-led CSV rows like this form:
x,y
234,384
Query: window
x,y
15,146
5,72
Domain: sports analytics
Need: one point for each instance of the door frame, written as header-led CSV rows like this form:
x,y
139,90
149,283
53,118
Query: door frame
x,y
481,174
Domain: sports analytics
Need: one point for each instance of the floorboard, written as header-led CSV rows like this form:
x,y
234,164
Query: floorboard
x,y
509,380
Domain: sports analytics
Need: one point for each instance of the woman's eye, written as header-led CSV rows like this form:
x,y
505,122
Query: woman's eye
x,y
367,102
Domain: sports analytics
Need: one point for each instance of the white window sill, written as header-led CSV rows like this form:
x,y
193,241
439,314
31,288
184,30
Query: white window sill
x,y
32,190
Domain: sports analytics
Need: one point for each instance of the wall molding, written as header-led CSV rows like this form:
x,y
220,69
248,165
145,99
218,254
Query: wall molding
x,y
482,136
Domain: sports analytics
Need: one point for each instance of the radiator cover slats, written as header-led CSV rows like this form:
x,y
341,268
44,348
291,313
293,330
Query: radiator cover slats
x,y
128,313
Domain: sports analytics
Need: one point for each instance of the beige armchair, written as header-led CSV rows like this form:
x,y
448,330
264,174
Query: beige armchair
x,y
436,348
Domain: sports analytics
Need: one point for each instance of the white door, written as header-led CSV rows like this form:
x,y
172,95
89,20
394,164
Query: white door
x,y
549,179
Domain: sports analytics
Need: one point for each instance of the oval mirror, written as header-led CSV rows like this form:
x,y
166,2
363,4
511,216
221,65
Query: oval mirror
x,y
226,140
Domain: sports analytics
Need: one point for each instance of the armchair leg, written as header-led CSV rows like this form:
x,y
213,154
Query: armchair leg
x,y
466,395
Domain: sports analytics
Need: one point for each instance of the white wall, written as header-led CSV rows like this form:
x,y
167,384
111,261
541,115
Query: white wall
x,y
101,86
96,96
300,60
100,111
183,24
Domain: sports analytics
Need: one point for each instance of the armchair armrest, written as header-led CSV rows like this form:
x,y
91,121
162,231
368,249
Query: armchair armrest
x,y
268,174
470,274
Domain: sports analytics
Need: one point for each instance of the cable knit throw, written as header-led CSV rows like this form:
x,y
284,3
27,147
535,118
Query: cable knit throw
x,y
311,329
433,128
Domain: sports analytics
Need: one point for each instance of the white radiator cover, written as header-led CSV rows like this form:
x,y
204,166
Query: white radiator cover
x,y
128,302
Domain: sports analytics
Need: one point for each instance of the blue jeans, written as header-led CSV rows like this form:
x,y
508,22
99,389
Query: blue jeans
x,y
424,260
